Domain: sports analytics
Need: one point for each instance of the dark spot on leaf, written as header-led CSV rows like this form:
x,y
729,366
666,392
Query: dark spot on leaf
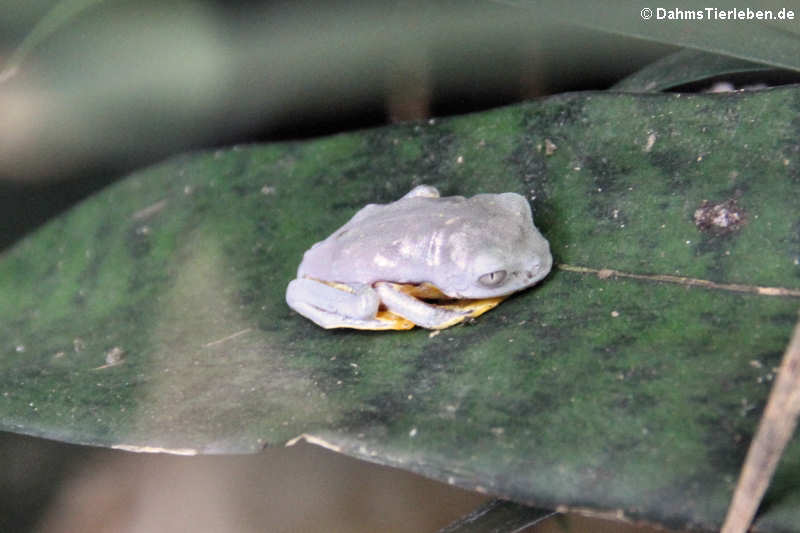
x,y
719,219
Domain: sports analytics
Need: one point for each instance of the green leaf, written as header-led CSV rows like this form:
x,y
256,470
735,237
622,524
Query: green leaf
x,y
685,66
151,316
771,42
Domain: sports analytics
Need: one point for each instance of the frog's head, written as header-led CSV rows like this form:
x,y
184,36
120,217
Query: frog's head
x,y
500,254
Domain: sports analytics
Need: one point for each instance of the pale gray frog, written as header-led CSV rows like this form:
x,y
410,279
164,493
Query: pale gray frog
x,y
385,267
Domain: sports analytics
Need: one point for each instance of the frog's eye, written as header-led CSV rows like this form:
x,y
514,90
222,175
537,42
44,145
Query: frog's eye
x,y
493,279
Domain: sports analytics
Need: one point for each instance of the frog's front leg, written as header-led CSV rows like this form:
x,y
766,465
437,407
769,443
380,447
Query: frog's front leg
x,y
340,306
415,310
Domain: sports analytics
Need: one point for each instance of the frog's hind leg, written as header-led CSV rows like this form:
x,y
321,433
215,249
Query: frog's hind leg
x,y
340,306
417,311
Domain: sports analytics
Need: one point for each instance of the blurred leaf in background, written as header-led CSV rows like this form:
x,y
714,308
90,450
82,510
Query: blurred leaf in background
x,y
122,84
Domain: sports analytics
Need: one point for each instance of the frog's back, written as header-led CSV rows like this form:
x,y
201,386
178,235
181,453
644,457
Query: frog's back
x,y
397,242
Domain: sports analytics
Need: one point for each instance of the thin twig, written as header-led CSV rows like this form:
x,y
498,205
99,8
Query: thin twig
x,y
774,431
604,273
227,338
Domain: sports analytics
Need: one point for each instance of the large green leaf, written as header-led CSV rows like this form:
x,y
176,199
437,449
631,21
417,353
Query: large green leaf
x,y
152,317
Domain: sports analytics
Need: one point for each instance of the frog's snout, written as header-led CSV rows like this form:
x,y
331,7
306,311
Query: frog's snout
x,y
539,268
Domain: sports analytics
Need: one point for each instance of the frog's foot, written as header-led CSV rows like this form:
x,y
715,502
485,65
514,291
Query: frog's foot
x,y
338,305
398,301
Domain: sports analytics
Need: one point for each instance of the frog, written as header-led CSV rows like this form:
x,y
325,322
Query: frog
x,y
422,260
